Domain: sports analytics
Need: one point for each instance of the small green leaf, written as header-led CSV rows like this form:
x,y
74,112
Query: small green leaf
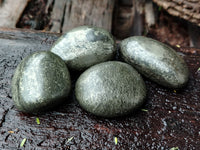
x,y
71,138
174,148
145,110
116,140
38,120
198,69
23,142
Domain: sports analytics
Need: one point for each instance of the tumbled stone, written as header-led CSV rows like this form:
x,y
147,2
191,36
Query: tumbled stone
x,y
85,46
110,89
41,82
155,60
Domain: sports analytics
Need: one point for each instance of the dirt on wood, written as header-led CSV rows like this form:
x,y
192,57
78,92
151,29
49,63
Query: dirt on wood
x,y
169,118
167,29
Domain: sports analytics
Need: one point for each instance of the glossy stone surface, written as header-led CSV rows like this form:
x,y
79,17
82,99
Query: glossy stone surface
x,y
85,46
155,60
110,89
41,81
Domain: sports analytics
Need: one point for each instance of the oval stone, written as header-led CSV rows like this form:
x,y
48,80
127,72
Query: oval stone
x,y
85,46
41,81
110,89
155,60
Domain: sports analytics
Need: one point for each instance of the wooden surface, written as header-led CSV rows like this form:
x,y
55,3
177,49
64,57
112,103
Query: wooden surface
x,y
186,9
10,12
132,17
171,118
69,14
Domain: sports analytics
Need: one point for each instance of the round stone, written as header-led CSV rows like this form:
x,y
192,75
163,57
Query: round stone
x,y
155,60
85,46
110,89
41,82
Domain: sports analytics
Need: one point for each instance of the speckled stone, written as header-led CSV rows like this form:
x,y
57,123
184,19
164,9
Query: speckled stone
x,y
41,81
155,60
85,46
110,89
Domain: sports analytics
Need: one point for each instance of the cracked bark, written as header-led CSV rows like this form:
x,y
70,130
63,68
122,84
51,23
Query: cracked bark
x,y
185,9
72,13
169,113
11,12
2,116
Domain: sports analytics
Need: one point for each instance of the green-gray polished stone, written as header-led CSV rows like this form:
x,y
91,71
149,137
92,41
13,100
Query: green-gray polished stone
x,y
85,46
155,60
41,81
110,89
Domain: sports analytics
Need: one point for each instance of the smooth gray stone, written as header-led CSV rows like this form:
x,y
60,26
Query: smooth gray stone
x,y
85,46
41,82
155,60
110,89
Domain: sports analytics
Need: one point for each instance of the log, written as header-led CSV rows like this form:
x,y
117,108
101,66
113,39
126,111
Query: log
x,y
57,15
123,19
185,9
194,33
170,118
11,12
69,14
149,13
129,18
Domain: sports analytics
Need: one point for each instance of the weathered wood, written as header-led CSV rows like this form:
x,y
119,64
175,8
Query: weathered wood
x,y
10,12
68,14
57,15
123,18
171,118
49,4
186,9
138,26
129,18
149,13
194,33
88,12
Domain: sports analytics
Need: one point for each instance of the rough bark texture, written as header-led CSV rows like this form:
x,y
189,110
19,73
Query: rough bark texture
x,y
57,15
186,9
171,120
194,32
72,13
123,18
129,17
10,12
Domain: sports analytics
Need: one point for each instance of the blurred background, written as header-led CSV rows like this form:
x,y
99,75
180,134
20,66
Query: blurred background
x,y
174,22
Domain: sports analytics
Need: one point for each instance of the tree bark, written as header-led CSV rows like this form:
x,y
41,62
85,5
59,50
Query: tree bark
x,y
11,12
129,18
186,9
73,13
168,116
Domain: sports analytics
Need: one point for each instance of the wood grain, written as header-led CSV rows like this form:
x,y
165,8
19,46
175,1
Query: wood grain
x,y
186,9
171,118
68,14
88,12
10,12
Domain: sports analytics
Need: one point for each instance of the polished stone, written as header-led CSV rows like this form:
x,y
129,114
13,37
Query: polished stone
x,y
41,82
110,89
155,60
85,46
